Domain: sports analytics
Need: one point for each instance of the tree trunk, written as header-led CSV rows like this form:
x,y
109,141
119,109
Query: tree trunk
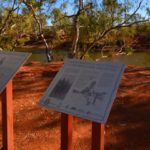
x,y
4,25
76,36
76,24
48,51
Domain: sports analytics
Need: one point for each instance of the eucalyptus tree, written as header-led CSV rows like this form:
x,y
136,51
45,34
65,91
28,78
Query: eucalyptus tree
x,y
7,41
88,21
71,20
94,20
6,18
80,7
35,7
25,16
62,25
118,14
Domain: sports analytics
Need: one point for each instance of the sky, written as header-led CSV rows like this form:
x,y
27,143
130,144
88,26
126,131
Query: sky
x,y
70,6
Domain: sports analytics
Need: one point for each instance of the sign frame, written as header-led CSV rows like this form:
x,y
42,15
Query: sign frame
x,y
54,94
6,93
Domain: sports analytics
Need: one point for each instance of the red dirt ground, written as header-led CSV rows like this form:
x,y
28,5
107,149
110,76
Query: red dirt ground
x,y
37,128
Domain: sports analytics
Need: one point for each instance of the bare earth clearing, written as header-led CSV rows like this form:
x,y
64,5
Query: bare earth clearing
x,y
36,128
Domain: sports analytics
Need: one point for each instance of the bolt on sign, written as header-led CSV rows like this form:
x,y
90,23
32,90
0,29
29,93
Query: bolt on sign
x,y
9,64
84,89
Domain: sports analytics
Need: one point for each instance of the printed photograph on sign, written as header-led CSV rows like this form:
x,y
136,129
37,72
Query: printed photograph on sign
x,y
62,87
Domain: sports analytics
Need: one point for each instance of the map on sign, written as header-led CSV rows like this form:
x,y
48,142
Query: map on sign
x,y
9,64
84,89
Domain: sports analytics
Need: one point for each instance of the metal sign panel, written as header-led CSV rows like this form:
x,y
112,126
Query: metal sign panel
x,y
9,64
84,89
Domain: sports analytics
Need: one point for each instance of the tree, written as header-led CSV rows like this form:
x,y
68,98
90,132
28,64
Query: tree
x,y
95,21
91,23
7,25
33,20
76,24
80,8
115,13
33,7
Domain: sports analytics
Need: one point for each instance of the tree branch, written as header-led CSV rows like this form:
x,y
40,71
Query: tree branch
x,y
102,35
30,7
124,24
130,17
4,25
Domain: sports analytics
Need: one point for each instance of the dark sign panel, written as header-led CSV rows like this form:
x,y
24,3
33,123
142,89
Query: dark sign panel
x,y
9,64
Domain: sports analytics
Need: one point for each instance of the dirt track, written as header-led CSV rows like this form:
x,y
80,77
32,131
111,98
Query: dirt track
x,y
36,128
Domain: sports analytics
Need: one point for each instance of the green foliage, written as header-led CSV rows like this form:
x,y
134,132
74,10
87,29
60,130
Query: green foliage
x,y
7,42
93,22
128,49
144,28
15,27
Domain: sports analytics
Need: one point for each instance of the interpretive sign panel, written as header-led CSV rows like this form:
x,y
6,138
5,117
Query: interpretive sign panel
x,y
84,88
9,64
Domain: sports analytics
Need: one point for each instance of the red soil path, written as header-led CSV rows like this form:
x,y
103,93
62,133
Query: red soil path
x,y
36,128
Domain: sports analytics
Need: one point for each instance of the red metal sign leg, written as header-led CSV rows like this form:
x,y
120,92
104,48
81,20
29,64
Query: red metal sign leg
x,y
66,131
97,136
7,117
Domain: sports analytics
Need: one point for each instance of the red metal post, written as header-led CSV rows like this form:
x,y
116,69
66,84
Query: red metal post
x,y
66,131
97,136
7,117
